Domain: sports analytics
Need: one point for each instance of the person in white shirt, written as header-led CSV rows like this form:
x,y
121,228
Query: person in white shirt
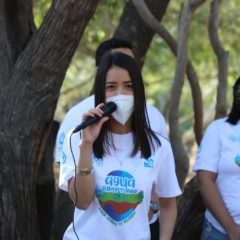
x,y
218,174
74,115
111,169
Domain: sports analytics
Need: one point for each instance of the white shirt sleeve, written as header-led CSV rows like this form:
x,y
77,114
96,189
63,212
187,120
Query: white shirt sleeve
x,y
167,183
65,126
209,150
157,121
68,161
71,120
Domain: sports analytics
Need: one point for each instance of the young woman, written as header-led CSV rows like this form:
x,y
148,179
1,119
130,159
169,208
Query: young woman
x,y
120,159
218,173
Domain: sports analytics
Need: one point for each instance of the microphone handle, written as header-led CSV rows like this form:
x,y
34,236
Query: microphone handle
x,y
86,123
107,110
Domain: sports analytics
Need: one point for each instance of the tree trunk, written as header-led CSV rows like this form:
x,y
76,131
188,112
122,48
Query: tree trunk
x,y
181,158
222,58
190,206
190,213
157,27
133,29
46,186
28,100
16,28
63,216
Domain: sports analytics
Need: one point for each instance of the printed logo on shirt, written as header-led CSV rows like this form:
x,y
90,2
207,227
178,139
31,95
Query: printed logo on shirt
x,y
63,158
234,138
118,198
148,163
237,160
61,138
98,161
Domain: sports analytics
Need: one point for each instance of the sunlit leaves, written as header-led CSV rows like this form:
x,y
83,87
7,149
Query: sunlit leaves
x,y
159,68
40,8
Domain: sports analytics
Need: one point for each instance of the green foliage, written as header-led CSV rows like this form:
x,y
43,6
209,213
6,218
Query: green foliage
x,y
159,68
40,8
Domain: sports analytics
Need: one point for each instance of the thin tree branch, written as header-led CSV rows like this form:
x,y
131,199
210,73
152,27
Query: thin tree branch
x,y
157,27
133,28
80,85
222,58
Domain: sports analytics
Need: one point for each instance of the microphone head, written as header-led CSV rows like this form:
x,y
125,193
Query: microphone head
x,y
109,108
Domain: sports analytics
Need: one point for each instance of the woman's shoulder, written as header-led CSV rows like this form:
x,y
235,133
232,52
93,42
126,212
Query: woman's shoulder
x,y
219,122
165,145
218,125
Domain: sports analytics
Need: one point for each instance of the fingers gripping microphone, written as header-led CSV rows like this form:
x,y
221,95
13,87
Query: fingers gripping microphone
x,y
109,108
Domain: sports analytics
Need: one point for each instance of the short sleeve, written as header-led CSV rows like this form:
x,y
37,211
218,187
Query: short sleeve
x,y
157,121
209,150
72,119
167,184
61,135
68,160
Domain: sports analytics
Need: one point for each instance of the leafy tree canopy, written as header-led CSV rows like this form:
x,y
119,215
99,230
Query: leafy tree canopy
x,y
159,67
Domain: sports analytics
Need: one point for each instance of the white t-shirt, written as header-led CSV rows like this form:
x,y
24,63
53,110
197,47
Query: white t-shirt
x,y
74,118
219,153
123,190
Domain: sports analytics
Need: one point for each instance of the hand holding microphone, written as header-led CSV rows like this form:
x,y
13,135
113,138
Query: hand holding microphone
x,y
94,115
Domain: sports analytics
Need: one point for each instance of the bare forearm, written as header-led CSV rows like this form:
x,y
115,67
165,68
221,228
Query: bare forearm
x,y
168,215
82,187
213,201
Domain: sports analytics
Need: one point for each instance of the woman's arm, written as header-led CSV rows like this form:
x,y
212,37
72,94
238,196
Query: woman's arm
x,y
81,187
213,201
168,215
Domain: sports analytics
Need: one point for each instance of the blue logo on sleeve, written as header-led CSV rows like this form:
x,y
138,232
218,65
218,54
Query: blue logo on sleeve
x,y
63,158
98,161
148,163
61,138
234,138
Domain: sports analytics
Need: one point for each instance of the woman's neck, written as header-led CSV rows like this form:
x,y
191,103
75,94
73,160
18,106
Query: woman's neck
x,y
118,128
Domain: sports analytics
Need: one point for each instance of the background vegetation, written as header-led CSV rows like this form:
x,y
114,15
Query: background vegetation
x,y
158,70
47,50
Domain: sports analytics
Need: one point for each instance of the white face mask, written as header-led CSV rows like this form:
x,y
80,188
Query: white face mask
x,y
125,104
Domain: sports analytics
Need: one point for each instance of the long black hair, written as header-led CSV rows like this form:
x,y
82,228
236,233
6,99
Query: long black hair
x,y
145,139
234,114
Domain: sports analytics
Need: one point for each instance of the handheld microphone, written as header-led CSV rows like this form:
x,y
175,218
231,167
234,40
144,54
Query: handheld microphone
x,y
109,108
